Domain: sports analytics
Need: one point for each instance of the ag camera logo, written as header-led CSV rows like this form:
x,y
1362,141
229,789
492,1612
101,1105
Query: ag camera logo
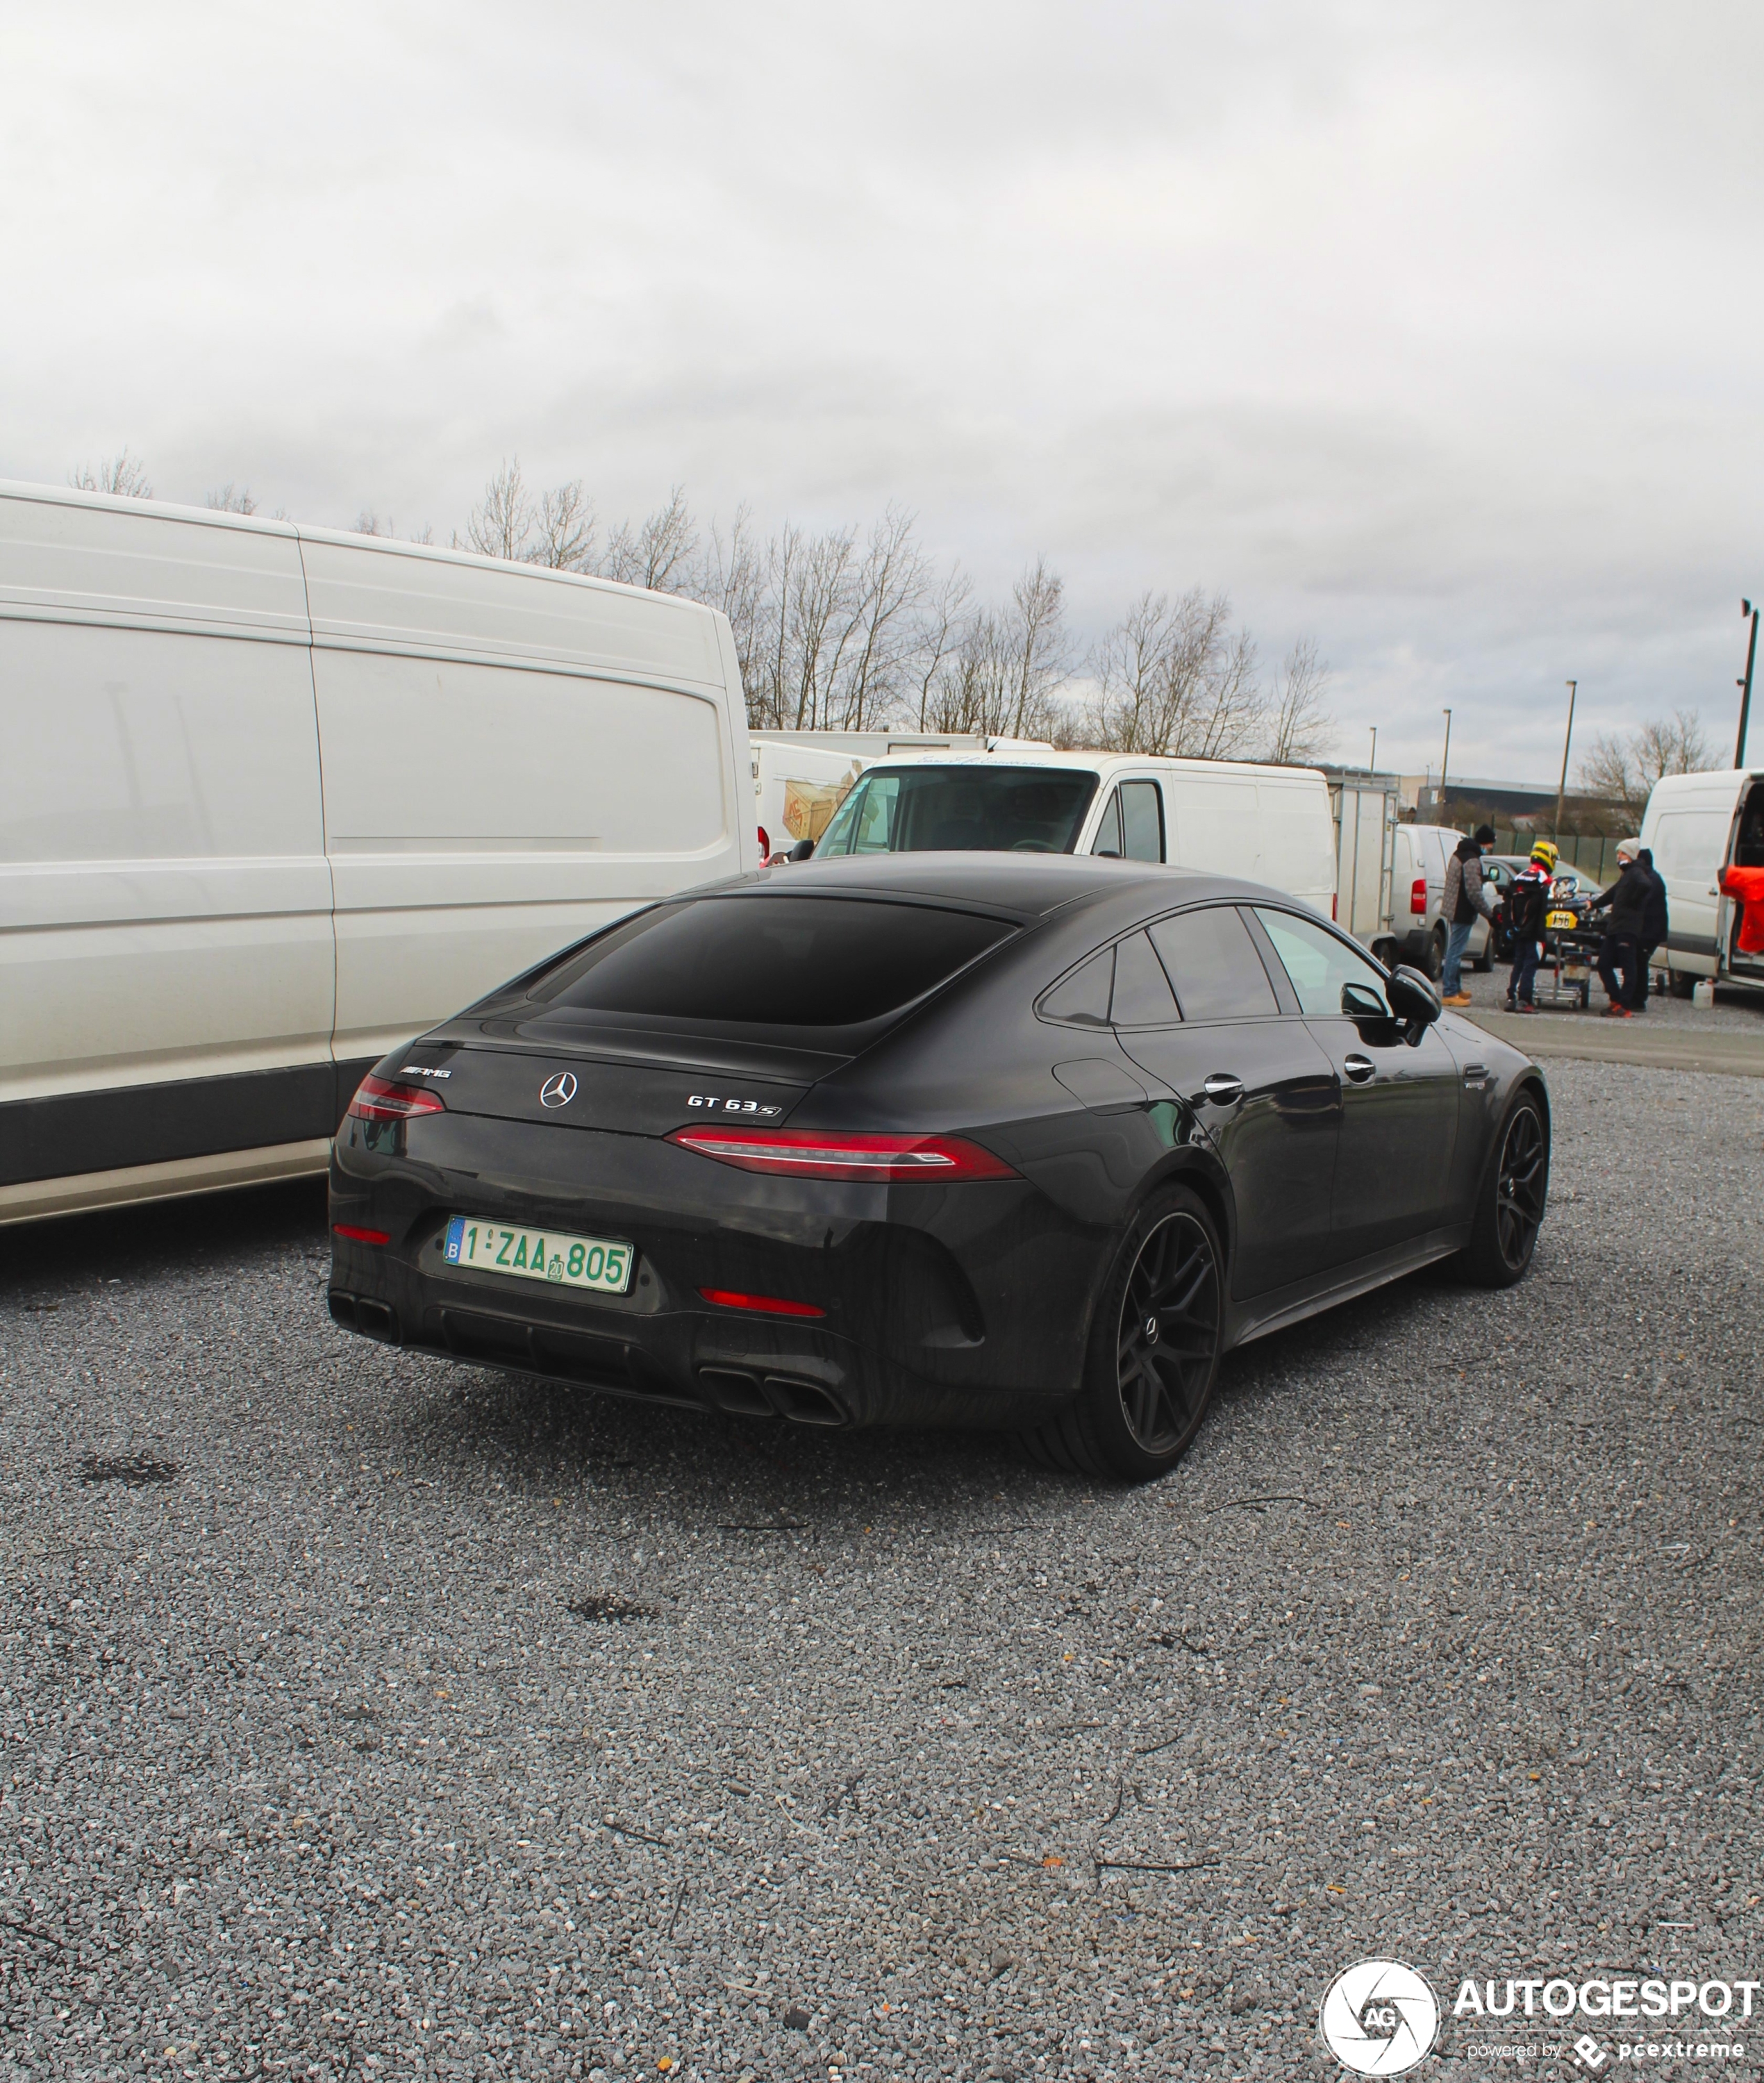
x,y
1379,2018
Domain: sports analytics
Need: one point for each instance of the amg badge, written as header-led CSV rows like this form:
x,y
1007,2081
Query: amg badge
x,y
710,1100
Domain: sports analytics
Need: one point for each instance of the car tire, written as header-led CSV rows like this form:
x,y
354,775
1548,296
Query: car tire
x,y
1153,1354
1433,961
1511,1199
1485,961
1683,984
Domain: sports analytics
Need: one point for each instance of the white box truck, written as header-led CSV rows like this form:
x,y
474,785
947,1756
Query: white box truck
x,y
275,799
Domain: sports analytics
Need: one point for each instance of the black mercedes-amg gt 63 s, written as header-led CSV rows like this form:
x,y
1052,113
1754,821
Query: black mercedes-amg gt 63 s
x,y
1026,1142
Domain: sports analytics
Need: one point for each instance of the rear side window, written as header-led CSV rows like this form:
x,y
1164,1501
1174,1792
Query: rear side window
x,y
1213,963
1142,993
1083,997
772,961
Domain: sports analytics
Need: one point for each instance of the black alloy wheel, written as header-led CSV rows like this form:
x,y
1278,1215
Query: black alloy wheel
x,y
1155,1350
1510,1207
1169,1334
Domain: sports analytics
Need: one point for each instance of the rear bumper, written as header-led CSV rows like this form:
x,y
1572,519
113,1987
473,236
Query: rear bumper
x,y
953,1306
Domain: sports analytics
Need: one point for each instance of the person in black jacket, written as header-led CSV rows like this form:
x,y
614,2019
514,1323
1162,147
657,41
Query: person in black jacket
x,y
1654,926
1625,900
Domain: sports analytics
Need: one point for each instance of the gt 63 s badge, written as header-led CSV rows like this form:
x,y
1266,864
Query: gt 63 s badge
x,y
710,1100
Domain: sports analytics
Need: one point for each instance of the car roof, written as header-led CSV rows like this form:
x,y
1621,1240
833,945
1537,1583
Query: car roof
x,y
1031,886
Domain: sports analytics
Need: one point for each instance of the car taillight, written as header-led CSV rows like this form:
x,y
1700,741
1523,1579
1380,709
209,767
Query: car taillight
x,y
1418,896
376,1100
359,1236
765,844
1334,909
766,1305
834,1154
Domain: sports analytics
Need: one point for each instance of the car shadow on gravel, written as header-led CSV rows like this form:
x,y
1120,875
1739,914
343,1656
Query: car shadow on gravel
x,y
164,1236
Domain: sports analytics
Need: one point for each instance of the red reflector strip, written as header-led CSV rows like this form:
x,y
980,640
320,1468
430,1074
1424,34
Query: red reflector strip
x,y
837,1154
769,1305
359,1236
375,1100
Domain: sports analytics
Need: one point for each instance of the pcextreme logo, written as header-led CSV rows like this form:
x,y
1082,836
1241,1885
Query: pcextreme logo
x,y
1379,2017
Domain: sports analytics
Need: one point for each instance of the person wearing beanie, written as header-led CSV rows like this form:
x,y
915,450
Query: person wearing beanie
x,y
1464,902
1627,901
1527,903
1653,926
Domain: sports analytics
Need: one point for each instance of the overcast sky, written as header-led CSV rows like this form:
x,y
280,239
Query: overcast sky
x,y
1430,331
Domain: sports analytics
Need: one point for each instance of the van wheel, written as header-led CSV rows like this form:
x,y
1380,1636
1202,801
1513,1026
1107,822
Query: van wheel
x,y
1433,962
1485,961
1154,1351
1682,984
1511,1200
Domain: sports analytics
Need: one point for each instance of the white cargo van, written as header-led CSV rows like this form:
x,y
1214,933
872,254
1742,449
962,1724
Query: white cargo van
x,y
1696,824
274,799
1269,824
797,787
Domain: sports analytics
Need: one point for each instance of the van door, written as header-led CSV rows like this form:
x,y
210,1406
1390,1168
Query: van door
x,y
166,967
1690,847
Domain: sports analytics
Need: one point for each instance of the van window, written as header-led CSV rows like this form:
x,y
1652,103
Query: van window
x,y
998,809
774,961
1691,842
1213,963
1107,840
1317,963
1142,820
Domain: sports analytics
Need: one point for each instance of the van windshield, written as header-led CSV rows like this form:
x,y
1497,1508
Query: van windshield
x,y
925,809
770,962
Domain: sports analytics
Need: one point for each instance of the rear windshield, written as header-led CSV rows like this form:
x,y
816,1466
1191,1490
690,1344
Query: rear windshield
x,y
938,809
770,962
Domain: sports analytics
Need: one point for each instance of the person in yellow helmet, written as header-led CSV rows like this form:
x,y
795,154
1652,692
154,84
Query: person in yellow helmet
x,y
1527,901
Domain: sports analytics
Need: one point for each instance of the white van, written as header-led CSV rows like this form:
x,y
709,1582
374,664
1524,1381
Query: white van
x,y
1696,824
797,787
1269,824
274,799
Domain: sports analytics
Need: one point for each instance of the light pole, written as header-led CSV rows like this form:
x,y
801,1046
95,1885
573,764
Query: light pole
x,y
1568,738
1445,762
1373,767
1745,685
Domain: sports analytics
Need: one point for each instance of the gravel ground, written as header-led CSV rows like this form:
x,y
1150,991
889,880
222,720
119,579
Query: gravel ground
x,y
361,1715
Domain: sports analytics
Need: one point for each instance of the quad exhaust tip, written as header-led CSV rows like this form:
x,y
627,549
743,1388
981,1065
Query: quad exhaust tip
x,y
738,1393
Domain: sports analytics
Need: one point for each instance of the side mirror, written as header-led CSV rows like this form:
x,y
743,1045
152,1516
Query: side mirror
x,y
1414,1001
1359,1001
803,849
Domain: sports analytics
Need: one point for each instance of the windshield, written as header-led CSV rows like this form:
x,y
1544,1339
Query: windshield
x,y
773,962
924,808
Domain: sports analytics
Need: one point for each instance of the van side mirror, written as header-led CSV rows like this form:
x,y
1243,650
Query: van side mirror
x,y
1414,1001
1359,1001
803,849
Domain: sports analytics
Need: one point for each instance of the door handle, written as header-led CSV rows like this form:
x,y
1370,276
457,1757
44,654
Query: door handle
x,y
1361,1070
1223,1089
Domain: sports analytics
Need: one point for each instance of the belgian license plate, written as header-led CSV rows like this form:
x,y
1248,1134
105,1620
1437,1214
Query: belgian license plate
x,y
568,1261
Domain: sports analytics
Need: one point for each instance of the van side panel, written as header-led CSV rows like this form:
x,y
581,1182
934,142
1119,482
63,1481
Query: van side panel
x,y
479,816
165,903
1689,824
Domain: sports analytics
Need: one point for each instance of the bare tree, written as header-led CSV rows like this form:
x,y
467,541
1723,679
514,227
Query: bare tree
x,y
565,522
732,576
123,475
1133,669
501,525
1300,730
1623,770
232,498
1036,653
943,629
659,554
892,585
1171,678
